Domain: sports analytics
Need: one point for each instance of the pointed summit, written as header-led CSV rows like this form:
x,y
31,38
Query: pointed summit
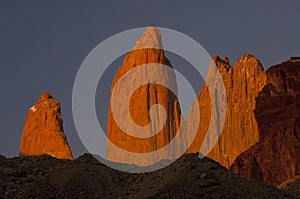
x,y
141,102
43,130
249,61
45,96
151,38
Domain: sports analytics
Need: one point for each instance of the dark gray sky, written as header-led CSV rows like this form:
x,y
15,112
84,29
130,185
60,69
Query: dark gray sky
x,y
43,43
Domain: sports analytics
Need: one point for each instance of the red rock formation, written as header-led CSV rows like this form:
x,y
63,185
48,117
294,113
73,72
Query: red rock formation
x,y
275,159
43,130
242,83
146,51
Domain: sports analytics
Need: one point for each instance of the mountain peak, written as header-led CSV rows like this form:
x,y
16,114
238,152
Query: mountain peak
x,y
43,130
45,96
248,57
151,38
139,103
248,62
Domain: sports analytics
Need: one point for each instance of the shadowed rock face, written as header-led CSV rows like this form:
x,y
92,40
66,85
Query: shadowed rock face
x,y
243,81
43,130
275,159
145,52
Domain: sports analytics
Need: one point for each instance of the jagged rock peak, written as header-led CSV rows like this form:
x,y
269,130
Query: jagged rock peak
x,y
151,38
226,60
140,102
242,83
43,130
248,58
221,63
218,59
45,96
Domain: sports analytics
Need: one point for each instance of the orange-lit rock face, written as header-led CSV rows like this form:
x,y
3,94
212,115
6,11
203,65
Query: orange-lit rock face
x,y
141,101
242,82
43,130
275,159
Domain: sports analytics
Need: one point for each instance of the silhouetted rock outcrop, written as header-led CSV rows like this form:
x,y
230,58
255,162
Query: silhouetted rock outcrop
x,y
43,130
275,159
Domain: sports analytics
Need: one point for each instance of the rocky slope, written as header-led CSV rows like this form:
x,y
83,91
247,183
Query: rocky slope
x,y
275,159
188,177
43,130
145,52
293,188
243,81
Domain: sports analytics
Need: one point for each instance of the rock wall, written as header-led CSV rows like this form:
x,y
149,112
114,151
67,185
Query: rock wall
x,y
243,81
275,159
145,52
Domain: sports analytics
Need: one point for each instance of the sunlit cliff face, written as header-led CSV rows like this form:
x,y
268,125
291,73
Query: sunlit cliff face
x,y
43,130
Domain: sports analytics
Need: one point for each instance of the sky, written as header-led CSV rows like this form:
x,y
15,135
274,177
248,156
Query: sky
x,y
43,43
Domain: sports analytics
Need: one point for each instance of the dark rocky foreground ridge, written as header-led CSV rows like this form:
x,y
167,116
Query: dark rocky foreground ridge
x,y
293,188
188,177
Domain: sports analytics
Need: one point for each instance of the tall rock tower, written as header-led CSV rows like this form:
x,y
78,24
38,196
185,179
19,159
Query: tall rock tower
x,y
243,81
148,50
43,130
